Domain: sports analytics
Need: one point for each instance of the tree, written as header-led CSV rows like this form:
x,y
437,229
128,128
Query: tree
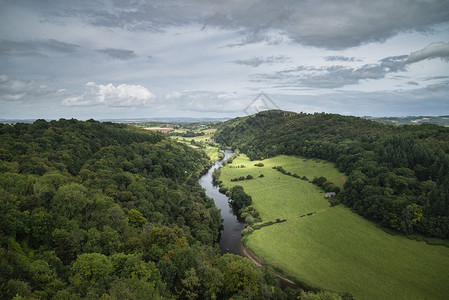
x,y
135,218
239,274
190,284
91,273
70,200
239,197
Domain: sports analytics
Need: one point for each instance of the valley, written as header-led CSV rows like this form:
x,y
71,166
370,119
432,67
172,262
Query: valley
x,y
82,197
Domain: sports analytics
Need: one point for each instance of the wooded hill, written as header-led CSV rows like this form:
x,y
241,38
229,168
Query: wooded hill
x,y
398,176
93,210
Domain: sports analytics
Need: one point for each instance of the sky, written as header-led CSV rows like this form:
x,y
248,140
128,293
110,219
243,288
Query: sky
x,y
213,58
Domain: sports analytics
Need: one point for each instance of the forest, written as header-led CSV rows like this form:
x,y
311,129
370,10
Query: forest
x,y
398,176
92,210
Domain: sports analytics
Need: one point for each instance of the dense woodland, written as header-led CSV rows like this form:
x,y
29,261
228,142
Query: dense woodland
x,y
398,176
93,210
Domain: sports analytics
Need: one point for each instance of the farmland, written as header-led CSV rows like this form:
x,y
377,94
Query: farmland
x,y
331,247
203,141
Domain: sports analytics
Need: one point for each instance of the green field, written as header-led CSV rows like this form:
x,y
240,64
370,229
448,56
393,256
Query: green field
x,y
213,152
334,249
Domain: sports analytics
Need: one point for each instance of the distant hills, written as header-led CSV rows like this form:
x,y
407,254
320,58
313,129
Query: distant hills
x,y
411,120
165,120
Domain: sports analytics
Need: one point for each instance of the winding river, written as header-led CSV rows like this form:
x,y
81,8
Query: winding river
x,y
230,235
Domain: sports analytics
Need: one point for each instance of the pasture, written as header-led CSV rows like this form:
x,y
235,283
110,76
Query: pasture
x,y
333,248
212,151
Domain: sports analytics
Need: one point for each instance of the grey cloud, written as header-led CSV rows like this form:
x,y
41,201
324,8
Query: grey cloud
x,y
257,61
121,54
36,48
333,76
339,76
205,101
440,88
381,103
20,90
436,78
341,58
144,15
434,50
323,23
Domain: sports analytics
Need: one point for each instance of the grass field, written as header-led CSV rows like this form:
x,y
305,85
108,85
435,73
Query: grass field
x,y
334,249
213,152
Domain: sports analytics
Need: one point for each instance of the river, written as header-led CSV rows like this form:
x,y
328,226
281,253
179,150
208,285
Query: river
x,y
230,235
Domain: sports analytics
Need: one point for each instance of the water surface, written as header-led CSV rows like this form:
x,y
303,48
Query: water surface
x,y
230,235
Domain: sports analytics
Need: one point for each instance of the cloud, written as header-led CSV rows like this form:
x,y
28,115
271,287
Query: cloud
x,y
338,76
257,61
378,103
204,101
40,48
322,23
80,100
332,76
340,58
21,90
434,50
121,54
123,95
173,95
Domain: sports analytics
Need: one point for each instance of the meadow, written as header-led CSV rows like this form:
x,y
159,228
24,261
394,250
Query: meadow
x,y
212,151
333,248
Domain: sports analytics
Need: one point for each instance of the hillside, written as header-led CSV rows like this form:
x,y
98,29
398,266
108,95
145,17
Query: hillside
x,y
398,176
93,210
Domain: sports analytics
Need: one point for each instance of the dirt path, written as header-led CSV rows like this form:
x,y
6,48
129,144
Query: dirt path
x,y
284,280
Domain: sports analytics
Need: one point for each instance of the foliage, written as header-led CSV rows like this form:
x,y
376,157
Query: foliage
x,y
239,197
92,210
389,168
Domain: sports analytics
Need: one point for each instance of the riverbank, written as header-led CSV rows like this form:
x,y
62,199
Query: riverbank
x,y
232,213
230,235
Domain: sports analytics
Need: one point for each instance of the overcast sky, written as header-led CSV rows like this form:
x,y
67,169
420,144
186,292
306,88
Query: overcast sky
x,y
179,58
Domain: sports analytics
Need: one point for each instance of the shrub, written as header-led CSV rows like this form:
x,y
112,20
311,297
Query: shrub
x,y
319,181
247,230
249,219
259,165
